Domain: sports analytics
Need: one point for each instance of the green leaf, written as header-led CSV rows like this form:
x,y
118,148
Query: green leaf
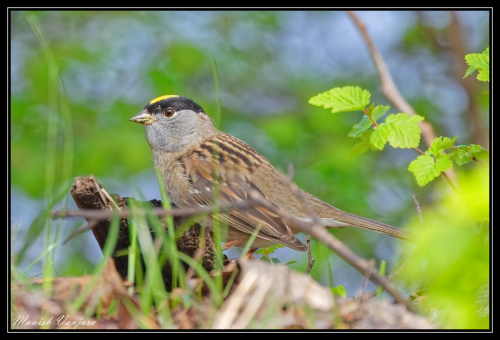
x,y
483,153
400,130
270,249
478,60
365,123
470,70
343,99
481,63
460,156
474,148
405,130
425,169
359,148
339,290
379,137
441,143
463,154
272,259
484,75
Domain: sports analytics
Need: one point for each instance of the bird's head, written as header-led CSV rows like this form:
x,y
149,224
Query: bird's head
x,y
173,122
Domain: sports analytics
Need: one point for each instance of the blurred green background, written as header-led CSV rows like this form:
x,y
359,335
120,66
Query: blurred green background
x,y
269,64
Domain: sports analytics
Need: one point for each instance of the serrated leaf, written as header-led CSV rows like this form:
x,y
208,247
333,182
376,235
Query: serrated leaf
x,y
481,62
405,130
272,259
463,154
367,135
400,130
270,249
441,143
460,155
474,148
359,148
478,60
470,70
484,75
425,169
483,153
366,123
379,137
339,290
444,163
343,99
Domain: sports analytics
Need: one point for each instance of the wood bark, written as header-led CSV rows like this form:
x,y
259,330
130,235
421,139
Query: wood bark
x,y
88,195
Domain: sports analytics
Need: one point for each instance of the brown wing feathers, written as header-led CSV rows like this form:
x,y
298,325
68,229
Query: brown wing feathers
x,y
233,167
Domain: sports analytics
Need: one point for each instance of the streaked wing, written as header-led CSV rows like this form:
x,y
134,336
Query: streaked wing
x,y
233,169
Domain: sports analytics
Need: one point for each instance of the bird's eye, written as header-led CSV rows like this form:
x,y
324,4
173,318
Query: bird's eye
x,y
169,112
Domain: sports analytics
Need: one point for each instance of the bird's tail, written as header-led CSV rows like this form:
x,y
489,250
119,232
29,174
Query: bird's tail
x,y
365,223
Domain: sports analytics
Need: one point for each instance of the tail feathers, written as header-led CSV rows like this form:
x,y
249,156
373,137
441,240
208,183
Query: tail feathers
x,y
365,223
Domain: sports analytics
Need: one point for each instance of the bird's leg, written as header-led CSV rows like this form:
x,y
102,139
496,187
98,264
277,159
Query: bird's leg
x,y
249,254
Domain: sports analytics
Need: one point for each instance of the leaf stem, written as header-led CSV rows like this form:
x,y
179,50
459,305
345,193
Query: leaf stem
x,y
449,181
442,173
371,118
419,151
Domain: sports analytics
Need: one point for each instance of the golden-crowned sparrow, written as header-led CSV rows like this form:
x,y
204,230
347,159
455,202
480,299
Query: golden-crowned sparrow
x,y
190,152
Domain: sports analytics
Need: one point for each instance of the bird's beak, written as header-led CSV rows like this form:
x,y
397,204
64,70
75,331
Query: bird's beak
x,y
143,117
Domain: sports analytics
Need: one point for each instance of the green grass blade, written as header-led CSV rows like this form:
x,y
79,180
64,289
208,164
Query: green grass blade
x,y
382,273
35,261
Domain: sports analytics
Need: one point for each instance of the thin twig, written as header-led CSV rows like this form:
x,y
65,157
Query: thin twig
x,y
370,117
418,208
100,214
311,260
361,291
391,278
90,224
449,180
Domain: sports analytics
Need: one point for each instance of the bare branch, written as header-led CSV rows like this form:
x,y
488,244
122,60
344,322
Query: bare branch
x,y
100,214
311,260
418,208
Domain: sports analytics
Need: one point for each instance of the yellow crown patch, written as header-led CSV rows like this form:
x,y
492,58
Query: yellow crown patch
x,y
162,97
